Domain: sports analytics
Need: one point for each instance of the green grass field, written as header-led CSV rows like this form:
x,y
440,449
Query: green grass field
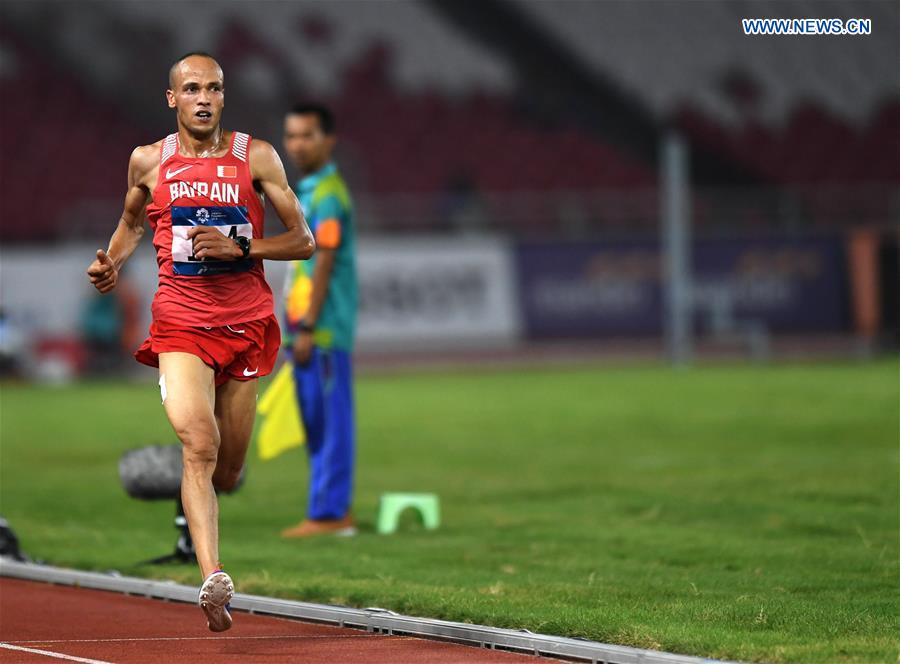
x,y
743,512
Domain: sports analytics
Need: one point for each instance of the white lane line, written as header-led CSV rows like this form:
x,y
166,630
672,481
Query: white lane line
x,y
57,655
209,638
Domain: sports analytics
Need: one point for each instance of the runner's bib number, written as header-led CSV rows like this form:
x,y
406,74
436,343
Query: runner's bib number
x,y
231,221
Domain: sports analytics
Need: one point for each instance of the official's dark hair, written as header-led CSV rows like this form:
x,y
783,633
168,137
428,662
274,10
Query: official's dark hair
x,y
326,117
203,54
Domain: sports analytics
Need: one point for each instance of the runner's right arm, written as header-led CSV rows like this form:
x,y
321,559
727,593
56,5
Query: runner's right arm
x,y
104,271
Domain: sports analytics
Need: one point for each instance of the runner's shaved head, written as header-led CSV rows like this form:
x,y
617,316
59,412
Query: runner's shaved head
x,y
183,61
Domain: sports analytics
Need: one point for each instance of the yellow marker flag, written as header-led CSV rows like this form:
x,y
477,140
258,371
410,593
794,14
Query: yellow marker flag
x,y
281,428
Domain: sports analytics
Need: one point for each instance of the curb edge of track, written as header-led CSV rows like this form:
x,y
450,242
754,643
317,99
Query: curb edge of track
x,y
380,621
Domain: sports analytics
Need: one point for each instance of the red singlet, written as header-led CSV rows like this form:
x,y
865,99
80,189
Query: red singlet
x,y
211,191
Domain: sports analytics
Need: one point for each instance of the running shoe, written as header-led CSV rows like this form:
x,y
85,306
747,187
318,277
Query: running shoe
x,y
215,595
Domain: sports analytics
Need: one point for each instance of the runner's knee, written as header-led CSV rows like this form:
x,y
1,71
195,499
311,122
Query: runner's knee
x,y
201,447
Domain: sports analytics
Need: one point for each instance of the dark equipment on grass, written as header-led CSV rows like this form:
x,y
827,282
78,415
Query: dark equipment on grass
x,y
154,473
9,543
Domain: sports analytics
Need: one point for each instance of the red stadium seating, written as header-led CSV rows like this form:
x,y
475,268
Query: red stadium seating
x,y
58,141
65,153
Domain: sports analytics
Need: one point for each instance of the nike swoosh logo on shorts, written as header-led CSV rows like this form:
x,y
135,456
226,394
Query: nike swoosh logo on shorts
x,y
247,372
172,174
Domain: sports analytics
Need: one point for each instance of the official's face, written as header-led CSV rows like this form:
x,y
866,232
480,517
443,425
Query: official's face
x,y
305,142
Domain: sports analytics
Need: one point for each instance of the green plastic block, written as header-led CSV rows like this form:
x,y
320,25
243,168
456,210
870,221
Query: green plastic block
x,y
392,505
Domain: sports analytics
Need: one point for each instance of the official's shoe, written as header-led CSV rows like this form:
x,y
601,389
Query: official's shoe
x,y
345,527
215,594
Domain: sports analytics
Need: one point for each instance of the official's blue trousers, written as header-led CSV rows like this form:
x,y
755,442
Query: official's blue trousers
x,y
325,393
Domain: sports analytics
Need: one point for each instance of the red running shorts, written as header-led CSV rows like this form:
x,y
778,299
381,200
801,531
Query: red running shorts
x,y
242,351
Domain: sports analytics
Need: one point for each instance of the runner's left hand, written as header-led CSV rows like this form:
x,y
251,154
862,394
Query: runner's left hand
x,y
209,243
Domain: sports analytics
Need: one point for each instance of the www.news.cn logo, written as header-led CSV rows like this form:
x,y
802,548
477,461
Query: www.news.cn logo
x,y
806,26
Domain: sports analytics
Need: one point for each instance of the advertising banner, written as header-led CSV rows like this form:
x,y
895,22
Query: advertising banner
x,y
436,292
615,288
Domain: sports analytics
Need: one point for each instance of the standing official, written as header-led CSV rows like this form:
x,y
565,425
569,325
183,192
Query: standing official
x,y
320,308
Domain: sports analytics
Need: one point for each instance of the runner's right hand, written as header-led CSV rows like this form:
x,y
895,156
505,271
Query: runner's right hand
x,y
103,272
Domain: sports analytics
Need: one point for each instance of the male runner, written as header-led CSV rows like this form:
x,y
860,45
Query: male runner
x,y
213,331
321,302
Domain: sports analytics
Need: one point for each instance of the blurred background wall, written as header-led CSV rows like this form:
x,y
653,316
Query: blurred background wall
x,y
503,157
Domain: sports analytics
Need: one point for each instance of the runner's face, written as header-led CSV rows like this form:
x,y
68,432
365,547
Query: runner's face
x,y
198,94
305,142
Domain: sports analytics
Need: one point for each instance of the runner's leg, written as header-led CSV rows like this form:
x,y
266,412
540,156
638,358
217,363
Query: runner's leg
x,y
235,411
189,403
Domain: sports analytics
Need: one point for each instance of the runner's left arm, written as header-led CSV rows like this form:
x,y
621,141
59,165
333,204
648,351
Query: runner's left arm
x,y
296,243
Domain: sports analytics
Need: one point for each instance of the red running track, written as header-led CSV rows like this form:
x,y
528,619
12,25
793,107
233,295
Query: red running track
x,y
73,624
